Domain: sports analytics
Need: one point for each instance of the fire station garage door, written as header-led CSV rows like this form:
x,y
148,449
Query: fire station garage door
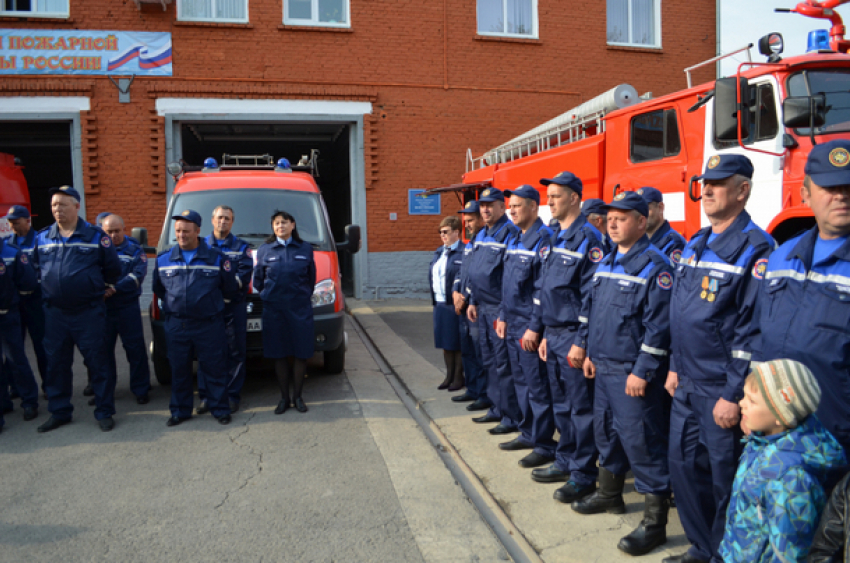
x,y
44,150
202,139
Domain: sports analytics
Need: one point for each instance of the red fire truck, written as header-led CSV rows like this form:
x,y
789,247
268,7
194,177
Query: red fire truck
x,y
773,112
13,190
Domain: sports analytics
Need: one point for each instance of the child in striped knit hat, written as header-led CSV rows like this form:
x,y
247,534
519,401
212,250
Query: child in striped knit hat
x,y
778,493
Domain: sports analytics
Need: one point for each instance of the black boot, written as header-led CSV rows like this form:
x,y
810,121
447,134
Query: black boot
x,y
608,498
652,530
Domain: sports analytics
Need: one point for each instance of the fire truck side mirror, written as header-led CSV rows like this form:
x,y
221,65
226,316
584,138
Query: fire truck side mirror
x,y
726,108
804,111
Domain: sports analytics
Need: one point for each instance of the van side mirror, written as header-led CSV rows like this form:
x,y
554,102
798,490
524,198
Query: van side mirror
x,y
726,109
804,111
141,235
352,239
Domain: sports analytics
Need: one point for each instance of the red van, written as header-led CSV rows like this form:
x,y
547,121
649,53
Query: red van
x,y
255,187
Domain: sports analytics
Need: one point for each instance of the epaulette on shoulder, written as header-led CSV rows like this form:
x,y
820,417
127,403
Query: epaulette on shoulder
x,y
759,238
657,258
590,232
45,229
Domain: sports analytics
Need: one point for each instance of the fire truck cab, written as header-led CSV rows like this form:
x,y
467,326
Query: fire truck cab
x,y
13,190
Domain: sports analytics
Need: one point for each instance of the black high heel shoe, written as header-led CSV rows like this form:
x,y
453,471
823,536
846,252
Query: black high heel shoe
x,y
300,406
282,406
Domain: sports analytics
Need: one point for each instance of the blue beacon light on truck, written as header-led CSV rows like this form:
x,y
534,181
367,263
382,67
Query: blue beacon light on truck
x,y
818,41
210,163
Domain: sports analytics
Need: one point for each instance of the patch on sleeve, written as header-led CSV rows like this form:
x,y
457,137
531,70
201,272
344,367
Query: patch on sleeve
x,y
105,242
2,268
760,269
544,251
596,254
675,256
24,259
226,265
665,280
144,257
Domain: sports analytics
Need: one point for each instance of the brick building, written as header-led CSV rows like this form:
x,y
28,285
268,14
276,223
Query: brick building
x,y
392,93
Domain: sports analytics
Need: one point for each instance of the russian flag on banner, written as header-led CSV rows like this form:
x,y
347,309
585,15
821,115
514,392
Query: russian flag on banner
x,y
147,59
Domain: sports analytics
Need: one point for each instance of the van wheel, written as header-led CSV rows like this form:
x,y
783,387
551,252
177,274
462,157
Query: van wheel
x,y
161,367
335,359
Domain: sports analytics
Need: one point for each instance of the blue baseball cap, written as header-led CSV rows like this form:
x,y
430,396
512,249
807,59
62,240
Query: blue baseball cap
x,y
471,207
566,179
650,194
525,191
720,167
189,215
594,205
630,201
17,212
490,195
102,216
829,164
67,190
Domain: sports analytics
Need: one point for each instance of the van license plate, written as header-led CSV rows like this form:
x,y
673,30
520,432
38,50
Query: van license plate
x,y
255,325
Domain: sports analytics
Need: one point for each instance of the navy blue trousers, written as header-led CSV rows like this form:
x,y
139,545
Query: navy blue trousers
x,y
236,330
494,353
126,321
631,432
572,404
205,338
84,329
537,427
703,461
32,321
20,375
473,369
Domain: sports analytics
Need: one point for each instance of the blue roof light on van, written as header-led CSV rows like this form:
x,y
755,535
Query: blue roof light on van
x,y
210,163
283,166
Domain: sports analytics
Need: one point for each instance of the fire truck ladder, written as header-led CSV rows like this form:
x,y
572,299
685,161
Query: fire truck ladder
x,y
557,136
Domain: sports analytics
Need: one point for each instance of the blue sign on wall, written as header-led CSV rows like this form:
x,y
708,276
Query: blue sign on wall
x,y
416,205
56,51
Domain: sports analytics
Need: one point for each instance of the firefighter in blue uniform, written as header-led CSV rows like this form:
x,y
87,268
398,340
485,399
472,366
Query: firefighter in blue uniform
x,y
804,301
32,313
484,292
566,279
522,266
597,215
713,326
193,281
77,262
123,312
17,278
473,368
235,312
658,229
628,311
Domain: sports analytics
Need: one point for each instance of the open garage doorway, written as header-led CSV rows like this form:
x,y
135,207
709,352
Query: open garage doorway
x,y
43,149
203,139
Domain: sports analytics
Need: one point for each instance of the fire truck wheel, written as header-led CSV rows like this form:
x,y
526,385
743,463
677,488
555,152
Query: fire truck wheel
x,y
335,360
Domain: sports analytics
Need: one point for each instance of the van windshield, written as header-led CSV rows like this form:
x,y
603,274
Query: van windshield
x,y
834,84
253,209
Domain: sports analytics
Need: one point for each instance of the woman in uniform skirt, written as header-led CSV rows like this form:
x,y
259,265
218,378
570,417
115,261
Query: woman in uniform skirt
x,y
445,267
285,276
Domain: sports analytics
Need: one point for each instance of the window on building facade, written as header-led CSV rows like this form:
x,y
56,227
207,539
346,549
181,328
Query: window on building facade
x,y
52,8
235,11
512,18
655,135
324,13
634,23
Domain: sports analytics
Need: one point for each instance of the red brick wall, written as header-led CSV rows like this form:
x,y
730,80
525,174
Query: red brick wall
x,y
433,96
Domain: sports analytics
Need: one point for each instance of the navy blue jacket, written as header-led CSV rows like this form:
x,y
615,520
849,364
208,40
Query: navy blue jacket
x,y
523,263
134,268
669,241
454,261
628,309
27,245
75,273
17,276
566,277
486,266
285,276
805,315
712,311
196,290
239,253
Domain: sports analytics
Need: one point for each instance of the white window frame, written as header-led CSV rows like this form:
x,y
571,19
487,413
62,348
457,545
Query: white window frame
x,y
183,18
34,13
314,20
534,23
657,12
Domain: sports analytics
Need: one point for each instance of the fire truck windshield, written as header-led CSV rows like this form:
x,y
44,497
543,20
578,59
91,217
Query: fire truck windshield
x,y
835,85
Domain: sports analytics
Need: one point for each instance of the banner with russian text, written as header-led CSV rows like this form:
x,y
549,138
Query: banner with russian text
x,y
49,51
